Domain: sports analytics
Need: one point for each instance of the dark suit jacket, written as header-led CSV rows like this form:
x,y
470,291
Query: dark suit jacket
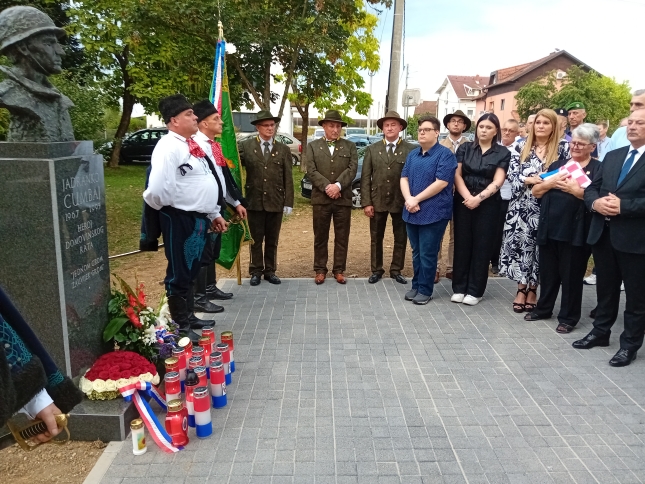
x,y
323,169
269,184
628,228
381,177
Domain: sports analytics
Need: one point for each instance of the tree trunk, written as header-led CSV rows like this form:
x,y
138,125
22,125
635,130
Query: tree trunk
x,y
304,114
126,115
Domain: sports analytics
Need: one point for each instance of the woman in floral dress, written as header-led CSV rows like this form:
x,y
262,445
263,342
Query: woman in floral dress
x,y
519,256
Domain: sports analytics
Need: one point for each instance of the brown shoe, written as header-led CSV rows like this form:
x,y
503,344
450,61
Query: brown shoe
x,y
449,275
320,278
436,277
340,278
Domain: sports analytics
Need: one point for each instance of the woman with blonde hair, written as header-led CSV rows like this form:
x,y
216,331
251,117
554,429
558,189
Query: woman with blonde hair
x,y
519,255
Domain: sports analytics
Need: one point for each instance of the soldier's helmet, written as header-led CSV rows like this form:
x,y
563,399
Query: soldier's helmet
x,y
20,23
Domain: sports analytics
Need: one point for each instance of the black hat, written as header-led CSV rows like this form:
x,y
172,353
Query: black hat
x,y
203,109
332,115
561,112
171,106
460,114
391,115
263,116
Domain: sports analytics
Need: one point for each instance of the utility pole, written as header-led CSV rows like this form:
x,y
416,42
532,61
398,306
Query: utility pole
x,y
395,57
407,76
369,113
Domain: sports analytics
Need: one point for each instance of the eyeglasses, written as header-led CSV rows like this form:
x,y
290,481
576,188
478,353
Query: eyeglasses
x,y
425,130
576,144
272,125
509,131
457,121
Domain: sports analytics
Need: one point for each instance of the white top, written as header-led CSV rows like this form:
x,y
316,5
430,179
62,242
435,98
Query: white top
x,y
262,141
36,404
639,155
195,191
202,140
506,191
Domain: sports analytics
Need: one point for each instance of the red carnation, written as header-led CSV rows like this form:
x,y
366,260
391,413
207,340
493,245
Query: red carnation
x,y
115,375
114,368
125,374
125,366
104,375
135,372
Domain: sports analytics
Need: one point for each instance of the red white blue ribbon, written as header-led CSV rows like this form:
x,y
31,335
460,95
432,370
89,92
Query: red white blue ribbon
x,y
134,392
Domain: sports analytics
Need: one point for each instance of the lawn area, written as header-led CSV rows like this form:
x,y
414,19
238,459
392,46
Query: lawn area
x,y
123,189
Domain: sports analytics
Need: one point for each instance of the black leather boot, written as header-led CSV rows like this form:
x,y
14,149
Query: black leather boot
x,y
195,322
212,291
178,308
202,304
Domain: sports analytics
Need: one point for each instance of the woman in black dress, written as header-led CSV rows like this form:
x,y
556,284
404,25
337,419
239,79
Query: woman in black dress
x,y
562,234
481,170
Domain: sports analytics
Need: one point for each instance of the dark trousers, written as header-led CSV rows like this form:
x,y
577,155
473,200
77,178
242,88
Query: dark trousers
x,y
474,242
612,268
377,232
184,236
499,233
265,227
425,241
562,263
322,216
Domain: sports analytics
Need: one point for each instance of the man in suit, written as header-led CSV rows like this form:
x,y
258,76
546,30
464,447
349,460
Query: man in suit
x,y
456,123
617,234
381,194
269,191
331,165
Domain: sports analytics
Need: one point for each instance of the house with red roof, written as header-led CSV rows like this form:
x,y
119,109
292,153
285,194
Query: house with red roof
x,y
459,93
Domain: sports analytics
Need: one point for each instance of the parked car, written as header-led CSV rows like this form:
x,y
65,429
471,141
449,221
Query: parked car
x,y
140,144
291,141
359,141
355,131
305,184
318,133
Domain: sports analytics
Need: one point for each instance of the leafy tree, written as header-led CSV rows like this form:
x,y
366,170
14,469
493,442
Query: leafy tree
x,y
602,96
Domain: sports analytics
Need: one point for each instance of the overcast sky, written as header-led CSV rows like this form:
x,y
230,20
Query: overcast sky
x,y
471,37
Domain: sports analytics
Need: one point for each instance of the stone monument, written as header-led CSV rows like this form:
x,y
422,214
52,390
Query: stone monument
x,y
53,237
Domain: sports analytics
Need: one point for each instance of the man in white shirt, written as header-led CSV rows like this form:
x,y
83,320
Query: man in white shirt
x,y
619,138
184,191
210,126
603,142
510,130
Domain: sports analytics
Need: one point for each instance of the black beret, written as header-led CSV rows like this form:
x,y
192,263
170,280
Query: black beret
x,y
204,109
561,112
171,106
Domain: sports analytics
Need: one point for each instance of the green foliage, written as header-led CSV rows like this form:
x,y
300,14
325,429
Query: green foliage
x,y
413,126
603,97
4,124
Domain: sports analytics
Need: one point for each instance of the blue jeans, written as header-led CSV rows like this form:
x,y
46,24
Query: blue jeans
x,y
425,241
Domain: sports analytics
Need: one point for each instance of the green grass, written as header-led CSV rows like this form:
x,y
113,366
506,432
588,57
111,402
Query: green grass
x,y
123,191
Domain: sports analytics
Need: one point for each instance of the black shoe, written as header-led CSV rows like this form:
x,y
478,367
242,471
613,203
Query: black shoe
x,y
178,308
591,341
255,280
535,317
272,278
623,357
198,323
374,278
592,313
495,269
214,292
400,279
203,305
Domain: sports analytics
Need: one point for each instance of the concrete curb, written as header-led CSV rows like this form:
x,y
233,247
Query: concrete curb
x,y
104,462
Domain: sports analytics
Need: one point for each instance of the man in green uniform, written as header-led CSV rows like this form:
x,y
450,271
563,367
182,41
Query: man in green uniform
x,y
331,165
269,193
381,194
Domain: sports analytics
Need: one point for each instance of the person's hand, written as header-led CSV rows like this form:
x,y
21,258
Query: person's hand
x,y
287,211
608,206
412,205
241,211
473,202
369,211
553,180
47,415
567,185
533,180
332,191
220,225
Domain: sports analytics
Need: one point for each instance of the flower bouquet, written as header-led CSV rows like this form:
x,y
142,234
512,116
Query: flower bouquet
x,y
114,370
134,326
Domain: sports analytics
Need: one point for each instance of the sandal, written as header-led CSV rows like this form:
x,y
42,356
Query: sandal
x,y
564,328
531,306
520,307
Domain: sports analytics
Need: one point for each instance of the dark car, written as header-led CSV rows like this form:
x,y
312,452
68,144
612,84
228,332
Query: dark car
x,y
140,144
305,184
361,141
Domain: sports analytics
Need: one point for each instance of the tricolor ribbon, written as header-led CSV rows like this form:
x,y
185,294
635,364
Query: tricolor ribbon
x,y
134,391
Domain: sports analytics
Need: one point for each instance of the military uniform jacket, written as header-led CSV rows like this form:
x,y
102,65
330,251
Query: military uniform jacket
x,y
269,183
324,168
381,177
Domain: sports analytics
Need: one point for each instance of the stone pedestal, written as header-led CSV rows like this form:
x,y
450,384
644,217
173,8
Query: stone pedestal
x,y
53,246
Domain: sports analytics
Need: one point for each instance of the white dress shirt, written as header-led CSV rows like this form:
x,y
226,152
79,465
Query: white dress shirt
x,y
262,141
36,404
195,191
202,140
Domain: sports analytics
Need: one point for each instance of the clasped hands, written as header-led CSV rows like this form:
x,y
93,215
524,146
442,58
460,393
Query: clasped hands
x,y
609,206
412,205
332,191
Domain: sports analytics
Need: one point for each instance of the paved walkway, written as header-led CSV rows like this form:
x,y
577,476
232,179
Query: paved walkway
x,y
351,384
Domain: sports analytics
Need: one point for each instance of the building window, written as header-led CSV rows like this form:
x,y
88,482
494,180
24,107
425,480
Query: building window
x,y
501,108
470,113
491,106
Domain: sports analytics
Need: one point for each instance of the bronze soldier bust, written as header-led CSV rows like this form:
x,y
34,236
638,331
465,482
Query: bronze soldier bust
x,y
39,112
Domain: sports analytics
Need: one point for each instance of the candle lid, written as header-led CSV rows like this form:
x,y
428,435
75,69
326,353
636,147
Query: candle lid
x,y
136,424
175,405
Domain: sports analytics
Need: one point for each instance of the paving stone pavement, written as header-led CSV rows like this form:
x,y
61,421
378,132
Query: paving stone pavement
x,y
352,384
